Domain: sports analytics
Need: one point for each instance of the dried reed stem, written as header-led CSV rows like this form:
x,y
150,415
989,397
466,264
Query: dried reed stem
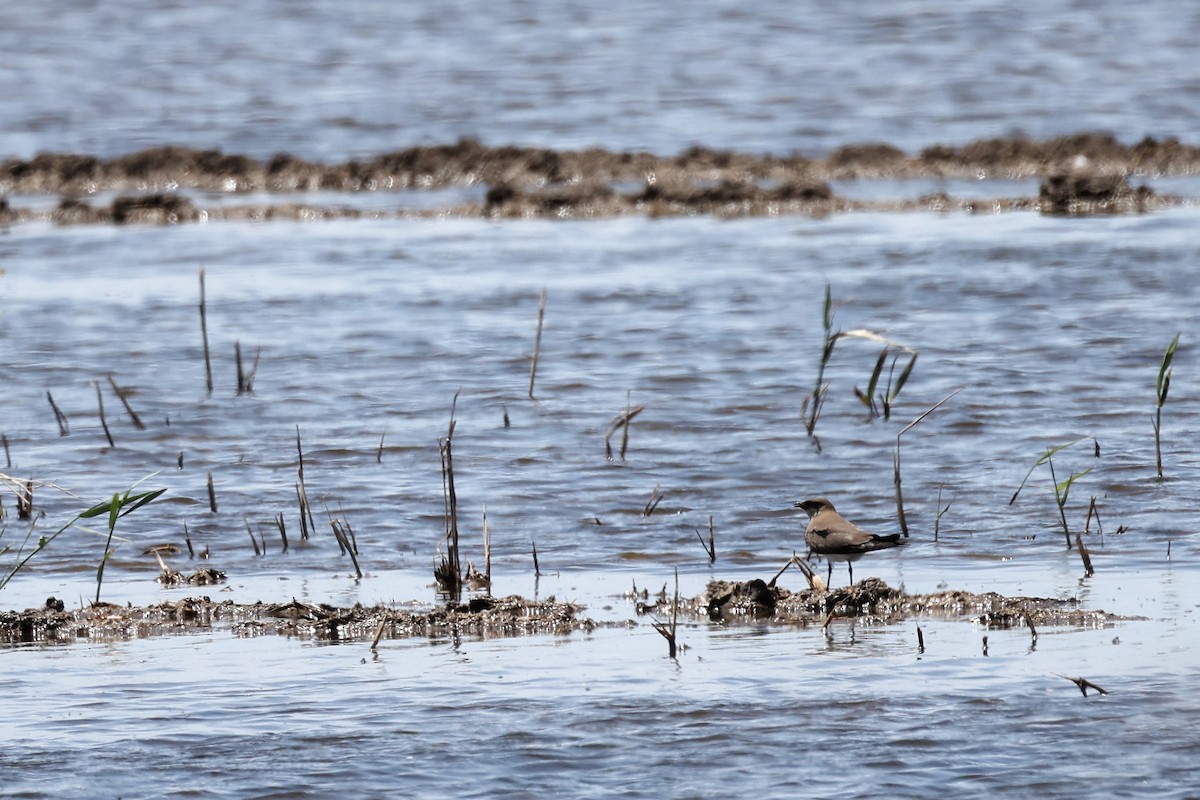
x,y
920,640
103,421
537,571
212,494
537,343
59,416
896,459
7,455
253,541
279,523
241,375
1084,555
120,393
668,631
710,547
487,549
188,539
302,493
25,502
656,497
449,571
204,335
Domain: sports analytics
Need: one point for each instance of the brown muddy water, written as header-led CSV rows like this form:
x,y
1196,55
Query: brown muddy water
x,y
1052,327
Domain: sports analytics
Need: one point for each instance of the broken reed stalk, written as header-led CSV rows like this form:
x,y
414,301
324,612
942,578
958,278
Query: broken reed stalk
x,y
1083,554
920,640
487,549
379,633
120,393
668,631
279,523
345,543
656,496
1083,683
449,572
537,571
537,343
212,494
711,547
1093,511
937,520
7,455
1162,387
59,416
241,375
25,501
103,421
188,539
896,458
204,335
379,452
253,541
307,523
621,422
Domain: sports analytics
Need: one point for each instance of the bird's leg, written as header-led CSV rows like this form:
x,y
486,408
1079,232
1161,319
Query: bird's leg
x,y
829,575
850,565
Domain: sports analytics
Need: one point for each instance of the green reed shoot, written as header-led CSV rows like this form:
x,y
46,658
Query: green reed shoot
x,y
891,390
1062,489
120,506
1163,386
811,410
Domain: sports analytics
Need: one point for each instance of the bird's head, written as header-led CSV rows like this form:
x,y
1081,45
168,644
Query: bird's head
x,y
815,505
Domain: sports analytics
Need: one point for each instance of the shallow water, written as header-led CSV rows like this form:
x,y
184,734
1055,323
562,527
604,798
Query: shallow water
x,y
333,82
1053,329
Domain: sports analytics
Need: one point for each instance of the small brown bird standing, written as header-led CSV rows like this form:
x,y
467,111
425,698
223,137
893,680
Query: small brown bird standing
x,y
837,539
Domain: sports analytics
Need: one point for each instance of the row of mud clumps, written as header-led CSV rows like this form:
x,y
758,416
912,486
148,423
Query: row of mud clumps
x,y
871,601
1079,174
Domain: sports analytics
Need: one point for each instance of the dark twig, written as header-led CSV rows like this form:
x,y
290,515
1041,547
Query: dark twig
x,y
1083,683
120,393
537,344
212,494
1083,554
655,497
668,630
103,422
59,416
204,335
896,458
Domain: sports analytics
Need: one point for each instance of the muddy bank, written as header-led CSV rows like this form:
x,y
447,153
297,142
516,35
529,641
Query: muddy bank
x,y
1080,174
870,601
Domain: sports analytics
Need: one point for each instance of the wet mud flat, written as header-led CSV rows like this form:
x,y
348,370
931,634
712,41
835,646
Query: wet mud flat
x,y
729,603
1088,173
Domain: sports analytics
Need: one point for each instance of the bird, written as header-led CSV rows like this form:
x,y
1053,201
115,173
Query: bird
x,y
837,539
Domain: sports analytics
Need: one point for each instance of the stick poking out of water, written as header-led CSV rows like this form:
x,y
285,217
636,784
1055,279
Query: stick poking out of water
x,y
204,335
668,630
537,343
120,393
59,416
212,494
103,422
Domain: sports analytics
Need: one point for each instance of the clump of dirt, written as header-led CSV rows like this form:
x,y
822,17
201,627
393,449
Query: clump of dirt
x,y
1078,193
481,616
871,601
1083,173
874,601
